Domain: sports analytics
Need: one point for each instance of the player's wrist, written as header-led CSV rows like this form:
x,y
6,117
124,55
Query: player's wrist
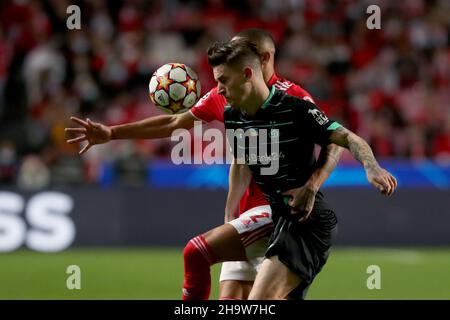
x,y
313,184
371,166
112,133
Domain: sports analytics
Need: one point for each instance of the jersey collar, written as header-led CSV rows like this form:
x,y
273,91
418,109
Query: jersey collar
x,y
272,80
272,91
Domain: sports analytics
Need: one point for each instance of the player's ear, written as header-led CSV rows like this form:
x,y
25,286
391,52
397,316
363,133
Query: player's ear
x,y
248,73
265,57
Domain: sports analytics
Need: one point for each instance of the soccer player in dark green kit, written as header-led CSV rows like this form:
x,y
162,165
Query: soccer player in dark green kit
x,y
300,244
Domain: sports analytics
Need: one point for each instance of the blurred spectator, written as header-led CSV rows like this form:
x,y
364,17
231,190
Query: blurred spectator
x,y
8,161
441,143
391,85
33,174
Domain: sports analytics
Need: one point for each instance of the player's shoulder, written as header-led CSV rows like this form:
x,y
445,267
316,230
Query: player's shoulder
x,y
292,88
211,96
283,84
210,106
291,99
296,105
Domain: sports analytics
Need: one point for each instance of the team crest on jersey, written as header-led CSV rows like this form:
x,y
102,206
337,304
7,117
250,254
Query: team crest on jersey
x,y
319,116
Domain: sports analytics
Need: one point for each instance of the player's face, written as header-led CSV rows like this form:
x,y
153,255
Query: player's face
x,y
232,84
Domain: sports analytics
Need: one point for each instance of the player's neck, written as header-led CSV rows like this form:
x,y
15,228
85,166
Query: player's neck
x,y
258,97
268,73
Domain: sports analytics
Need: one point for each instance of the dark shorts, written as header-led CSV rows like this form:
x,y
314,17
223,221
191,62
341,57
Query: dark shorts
x,y
303,247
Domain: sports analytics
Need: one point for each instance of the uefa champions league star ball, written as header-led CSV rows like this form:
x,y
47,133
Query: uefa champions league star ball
x,y
174,88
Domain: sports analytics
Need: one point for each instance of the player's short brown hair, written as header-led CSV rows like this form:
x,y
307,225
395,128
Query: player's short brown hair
x,y
232,53
260,37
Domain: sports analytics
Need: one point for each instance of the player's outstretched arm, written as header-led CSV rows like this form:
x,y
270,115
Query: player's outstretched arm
x,y
149,128
238,181
302,199
361,151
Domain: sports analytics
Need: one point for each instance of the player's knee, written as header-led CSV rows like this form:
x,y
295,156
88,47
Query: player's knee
x,y
258,295
234,289
265,295
190,251
197,250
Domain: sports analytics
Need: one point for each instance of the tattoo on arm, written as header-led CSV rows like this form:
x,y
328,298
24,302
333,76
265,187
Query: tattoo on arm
x,y
357,146
329,158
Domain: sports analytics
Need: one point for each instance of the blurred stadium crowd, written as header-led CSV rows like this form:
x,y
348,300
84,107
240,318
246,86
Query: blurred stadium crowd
x,y
391,85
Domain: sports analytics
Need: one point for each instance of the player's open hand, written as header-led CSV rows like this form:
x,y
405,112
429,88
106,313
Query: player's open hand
x,y
382,180
92,132
302,201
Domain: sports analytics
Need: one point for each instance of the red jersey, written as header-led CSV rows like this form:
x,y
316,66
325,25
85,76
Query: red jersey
x,y
210,107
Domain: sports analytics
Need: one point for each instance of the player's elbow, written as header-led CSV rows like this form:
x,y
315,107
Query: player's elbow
x,y
244,172
182,121
335,150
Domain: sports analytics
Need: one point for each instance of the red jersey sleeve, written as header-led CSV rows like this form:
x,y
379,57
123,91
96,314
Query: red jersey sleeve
x,y
209,107
297,91
290,88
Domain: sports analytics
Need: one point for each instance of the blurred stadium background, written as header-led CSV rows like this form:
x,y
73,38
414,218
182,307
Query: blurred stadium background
x,y
123,212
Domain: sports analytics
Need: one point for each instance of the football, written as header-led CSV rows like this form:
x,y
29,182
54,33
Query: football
x,y
174,88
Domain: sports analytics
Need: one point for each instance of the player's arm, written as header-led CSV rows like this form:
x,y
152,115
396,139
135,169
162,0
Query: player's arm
x,y
150,128
329,155
328,159
302,199
361,151
238,182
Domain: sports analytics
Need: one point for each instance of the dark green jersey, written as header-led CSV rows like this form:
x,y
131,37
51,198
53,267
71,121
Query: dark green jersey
x,y
287,128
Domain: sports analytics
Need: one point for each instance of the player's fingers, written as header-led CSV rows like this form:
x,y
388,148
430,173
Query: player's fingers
x,y
394,181
287,193
295,203
390,180
378,185
387,188
391,184
79,121
86,148
77,139
383,185
75,130
93,124
290,198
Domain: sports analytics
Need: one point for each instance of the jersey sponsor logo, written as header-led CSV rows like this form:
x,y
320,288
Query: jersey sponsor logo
x,y
263,158
319,116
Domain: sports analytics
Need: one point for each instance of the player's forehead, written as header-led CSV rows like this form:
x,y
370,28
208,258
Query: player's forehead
x,y
222,71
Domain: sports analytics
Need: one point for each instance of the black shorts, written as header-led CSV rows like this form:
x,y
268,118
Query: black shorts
x,y
303,247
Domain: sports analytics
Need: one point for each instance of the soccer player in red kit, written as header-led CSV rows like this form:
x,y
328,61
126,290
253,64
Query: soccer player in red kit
x,y
241,242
